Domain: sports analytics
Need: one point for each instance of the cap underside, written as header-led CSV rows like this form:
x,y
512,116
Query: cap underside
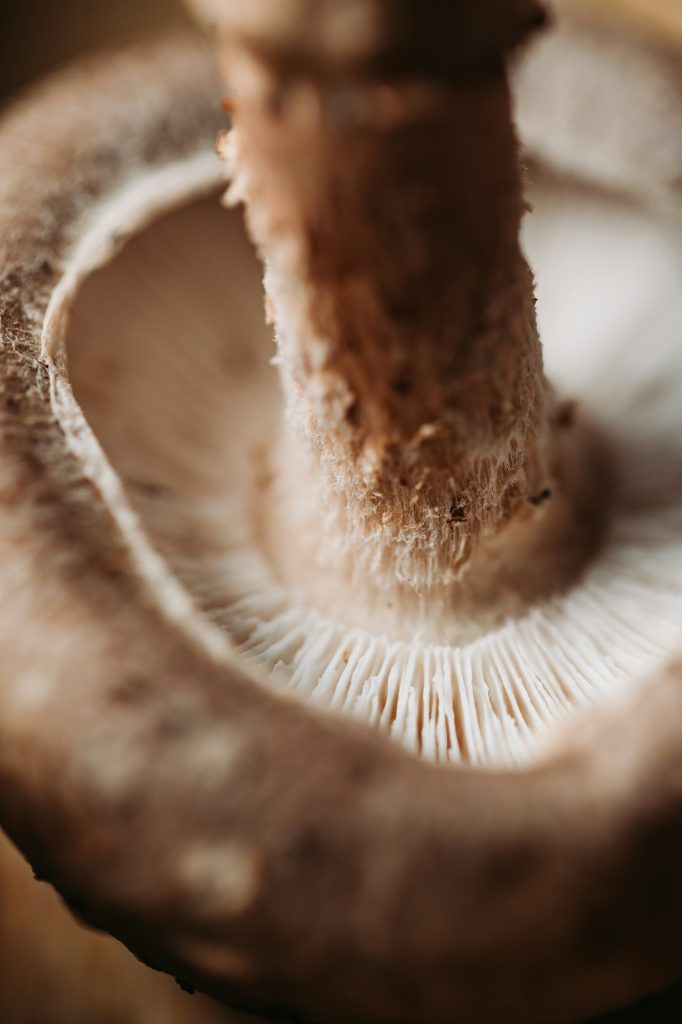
x,y
177,386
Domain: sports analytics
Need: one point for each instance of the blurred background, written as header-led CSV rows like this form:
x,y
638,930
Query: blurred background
x,y
39,35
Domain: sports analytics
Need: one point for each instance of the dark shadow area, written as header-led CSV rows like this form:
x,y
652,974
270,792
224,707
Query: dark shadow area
x,y
665,1008
37,36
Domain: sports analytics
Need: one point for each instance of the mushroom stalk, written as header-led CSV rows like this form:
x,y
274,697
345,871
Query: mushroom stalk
x,y
387,205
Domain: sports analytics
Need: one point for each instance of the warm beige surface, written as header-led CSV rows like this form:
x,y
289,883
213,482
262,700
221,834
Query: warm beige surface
x,y
59,972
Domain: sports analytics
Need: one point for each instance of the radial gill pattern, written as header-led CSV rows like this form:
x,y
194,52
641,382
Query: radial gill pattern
x,y
610,310
488,702
481,703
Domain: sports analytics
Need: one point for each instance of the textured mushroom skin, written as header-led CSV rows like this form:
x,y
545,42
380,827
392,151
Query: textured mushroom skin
x,y
314,870
404,309
409,353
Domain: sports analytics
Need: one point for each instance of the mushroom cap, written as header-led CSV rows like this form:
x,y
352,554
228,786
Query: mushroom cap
x,y
275,857
600,102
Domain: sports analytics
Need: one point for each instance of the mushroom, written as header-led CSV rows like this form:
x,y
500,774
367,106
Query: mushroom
x,y
264,850
431,502
602,103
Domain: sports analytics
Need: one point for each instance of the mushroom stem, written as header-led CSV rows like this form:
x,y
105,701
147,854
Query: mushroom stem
x,y
385,199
